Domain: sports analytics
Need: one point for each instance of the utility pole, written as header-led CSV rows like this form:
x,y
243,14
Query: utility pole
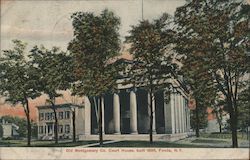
x,y
142,10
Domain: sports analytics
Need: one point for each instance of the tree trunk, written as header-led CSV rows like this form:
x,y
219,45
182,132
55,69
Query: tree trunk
x,y
27,113
247,133
220,127
220,112
197,126
100,122
233,121
151,119
29,131
234,130
56,124
74,125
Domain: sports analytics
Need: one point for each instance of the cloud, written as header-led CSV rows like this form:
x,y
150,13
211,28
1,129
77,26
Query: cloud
x,y
8,31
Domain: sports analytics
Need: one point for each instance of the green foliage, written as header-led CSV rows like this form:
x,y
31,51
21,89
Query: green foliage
x,y
151,48
20,122
17,78
54,70
96,42
34,130
153,63
202,118
218,32
244,107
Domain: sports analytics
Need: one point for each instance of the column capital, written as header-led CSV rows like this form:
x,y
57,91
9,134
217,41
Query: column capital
x,y
132,89
116,91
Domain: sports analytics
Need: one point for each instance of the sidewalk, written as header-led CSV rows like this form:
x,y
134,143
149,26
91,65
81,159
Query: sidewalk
x,y
221,142
97,144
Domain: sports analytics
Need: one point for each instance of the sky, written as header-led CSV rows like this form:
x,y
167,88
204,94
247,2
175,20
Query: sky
x,y
48,22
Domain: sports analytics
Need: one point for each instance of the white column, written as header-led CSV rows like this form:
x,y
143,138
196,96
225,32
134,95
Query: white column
x,y
176,113
180,115
185,115
38,130
189,125
133,113
103,115
153,108
169,115
116,113
87,116
53,129
46,129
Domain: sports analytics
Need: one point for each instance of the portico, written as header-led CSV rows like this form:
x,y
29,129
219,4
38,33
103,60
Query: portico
x,y
126,112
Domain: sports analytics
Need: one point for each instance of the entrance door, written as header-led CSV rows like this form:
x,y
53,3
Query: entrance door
x,y
125,128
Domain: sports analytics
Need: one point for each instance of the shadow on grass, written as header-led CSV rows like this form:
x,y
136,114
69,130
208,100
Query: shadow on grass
x,y
240,135
154,144
14,143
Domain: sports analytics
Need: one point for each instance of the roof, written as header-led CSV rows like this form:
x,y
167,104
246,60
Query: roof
x,y
65,105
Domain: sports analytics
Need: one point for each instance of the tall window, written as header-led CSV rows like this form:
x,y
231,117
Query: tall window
x,y
50,129
41,116
60,115
60,128
41,129
67,128
67,114
46,116
51,116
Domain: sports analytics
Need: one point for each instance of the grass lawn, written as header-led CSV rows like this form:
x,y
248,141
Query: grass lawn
x,y
208,141
155,144
22,143
218,135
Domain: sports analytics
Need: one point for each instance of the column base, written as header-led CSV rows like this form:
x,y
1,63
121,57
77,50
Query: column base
x,y
134,132
154,132
169,131
117,133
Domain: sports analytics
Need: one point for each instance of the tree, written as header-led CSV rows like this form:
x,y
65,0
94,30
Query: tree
x,y
1,131
18,80
218,29
152,58
22,125
244,109
219,112
95,42
73,111
54,68
199,82
198,119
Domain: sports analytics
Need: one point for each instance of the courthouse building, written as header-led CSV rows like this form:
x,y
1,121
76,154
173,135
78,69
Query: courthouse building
x,y
126,114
